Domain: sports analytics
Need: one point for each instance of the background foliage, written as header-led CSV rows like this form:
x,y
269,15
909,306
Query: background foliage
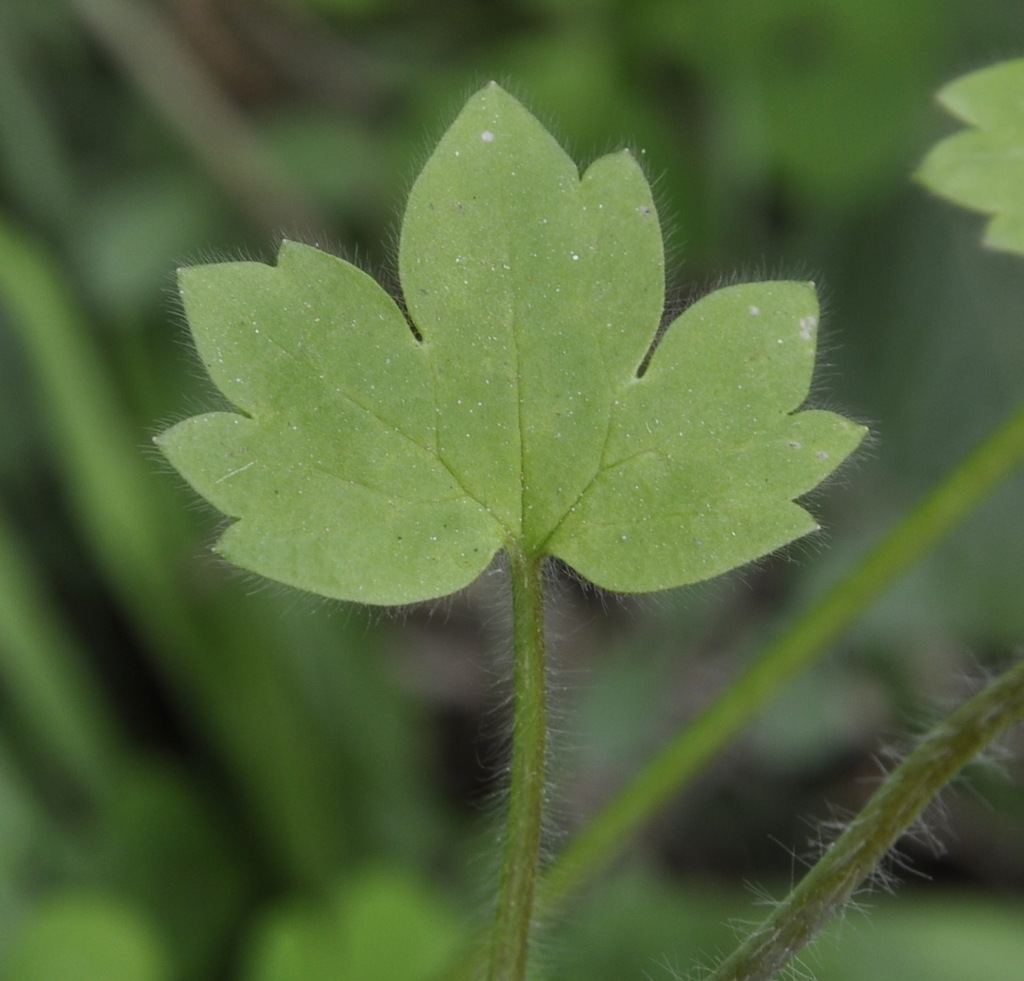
x,y
205,777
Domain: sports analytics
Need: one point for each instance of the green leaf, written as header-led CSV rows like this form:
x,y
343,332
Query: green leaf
x,y
376,462
983,167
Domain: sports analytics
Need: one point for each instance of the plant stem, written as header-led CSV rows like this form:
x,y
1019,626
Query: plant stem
x,y
794,650
514,916
894,807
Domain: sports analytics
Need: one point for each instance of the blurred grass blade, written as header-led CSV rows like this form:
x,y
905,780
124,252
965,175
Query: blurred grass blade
x,y
223,671
42,673
95,446
41,177
164,69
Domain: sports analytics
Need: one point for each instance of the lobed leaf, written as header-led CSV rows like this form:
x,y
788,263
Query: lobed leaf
x,y
983,167
705,454
374,461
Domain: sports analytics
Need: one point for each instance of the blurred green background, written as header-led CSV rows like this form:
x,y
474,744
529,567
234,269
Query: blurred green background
x,y
207,777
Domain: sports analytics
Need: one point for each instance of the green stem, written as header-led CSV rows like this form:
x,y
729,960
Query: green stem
x,y
894,807
514,917
686,755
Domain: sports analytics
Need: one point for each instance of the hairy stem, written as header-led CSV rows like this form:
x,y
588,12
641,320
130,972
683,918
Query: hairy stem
x,y
514,917
895,805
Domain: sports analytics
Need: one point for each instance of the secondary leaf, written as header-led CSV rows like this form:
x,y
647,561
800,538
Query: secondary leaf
x,y
377,462
983,167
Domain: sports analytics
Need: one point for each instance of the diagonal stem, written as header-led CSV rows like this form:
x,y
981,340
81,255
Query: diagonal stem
x,y
895,806
514,916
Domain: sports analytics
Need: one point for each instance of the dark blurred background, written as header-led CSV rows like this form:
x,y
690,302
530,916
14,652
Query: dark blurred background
x,y
206,777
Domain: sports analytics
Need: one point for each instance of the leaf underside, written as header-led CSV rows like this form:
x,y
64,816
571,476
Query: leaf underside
x,y
982,167
368,461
